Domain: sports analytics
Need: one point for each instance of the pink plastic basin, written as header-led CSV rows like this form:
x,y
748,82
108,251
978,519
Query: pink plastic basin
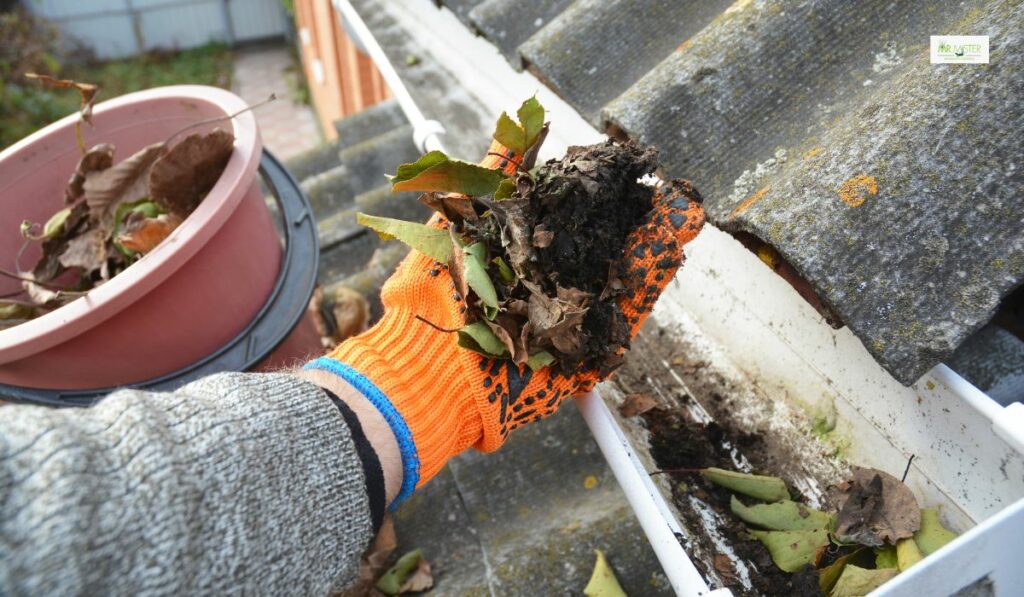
x,y
188,297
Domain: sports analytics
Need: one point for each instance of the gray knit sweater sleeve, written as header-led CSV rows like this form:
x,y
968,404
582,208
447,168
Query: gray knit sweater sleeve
x,y
237,483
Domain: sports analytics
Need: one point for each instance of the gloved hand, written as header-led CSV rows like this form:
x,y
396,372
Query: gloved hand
x,y
439,398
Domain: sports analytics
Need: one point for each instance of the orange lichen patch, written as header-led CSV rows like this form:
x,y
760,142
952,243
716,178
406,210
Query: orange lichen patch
x,y
742,207
684,45
811,153
854,191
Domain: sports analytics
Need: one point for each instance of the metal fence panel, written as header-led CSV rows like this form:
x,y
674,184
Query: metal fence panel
x,y
119,28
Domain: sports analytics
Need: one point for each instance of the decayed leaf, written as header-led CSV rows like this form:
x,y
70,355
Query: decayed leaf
x,y
436,172
538,361
558,320
786,515
878,509
637,404
907,554
857,582
392,581
769,489
142,234
602,581
181,179
792,550
13,312
476,274
478,337
828,575
541,237
96,159
125,182
420,580
885,557
86,90
932,535
505,337
87,251
454,207
432,242
374,561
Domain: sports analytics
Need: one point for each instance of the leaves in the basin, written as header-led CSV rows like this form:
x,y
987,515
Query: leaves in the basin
x,y
792,550
394,581
907,554
932,535
87,91
828,575
857,582
433,242
436,172
16,311
125,182
637,404
769,489
877,509
112,216
182,177
786,515
479,337
603,582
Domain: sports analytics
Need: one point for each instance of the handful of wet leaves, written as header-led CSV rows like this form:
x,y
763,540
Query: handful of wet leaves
x,y
113,214
537,255
878,531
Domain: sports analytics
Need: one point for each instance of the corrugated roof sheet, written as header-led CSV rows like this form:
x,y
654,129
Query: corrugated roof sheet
x,y
892,185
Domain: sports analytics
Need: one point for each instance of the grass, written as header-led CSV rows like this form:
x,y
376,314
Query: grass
x,y
26,106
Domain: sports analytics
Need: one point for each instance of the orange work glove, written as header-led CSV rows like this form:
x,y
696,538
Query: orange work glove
x,y
439,398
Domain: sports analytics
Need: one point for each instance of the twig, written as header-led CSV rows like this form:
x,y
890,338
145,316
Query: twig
x,y
273,96
15,276
691,471
435,326
907,470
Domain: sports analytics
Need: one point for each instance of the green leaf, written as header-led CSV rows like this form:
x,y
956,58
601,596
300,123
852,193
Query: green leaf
x,y
781,516
907,554
479,338
504,271
885,557
55,225
769,489
531,117
792,550
856,581
437,172
538,361
505,189
476,275
602,581
932,535
435,243
828,575
392,580
11,310
510,134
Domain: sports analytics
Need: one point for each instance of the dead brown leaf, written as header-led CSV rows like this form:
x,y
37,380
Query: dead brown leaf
x,y
351,314
96,159
637,404
122,183
542,237
420,580
505,328
454,207
87,251
142,234
725,567
374,561
457,264
878,509
180,179
88,91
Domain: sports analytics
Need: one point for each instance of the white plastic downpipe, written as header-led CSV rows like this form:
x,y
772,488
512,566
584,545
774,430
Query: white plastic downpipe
x,y
657,521
425,133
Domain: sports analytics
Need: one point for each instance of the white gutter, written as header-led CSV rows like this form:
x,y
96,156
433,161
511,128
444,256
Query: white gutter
x,y
654,515
425,133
